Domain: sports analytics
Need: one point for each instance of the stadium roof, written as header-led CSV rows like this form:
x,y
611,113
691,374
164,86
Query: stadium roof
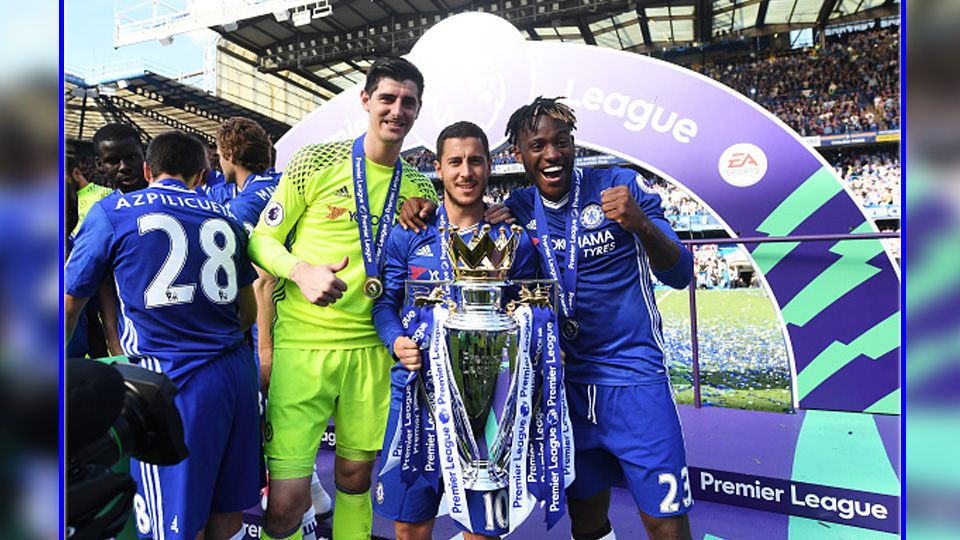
x,y
152,103
331,42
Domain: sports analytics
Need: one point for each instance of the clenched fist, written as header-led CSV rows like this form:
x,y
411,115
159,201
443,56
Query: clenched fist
x,y
408,352
620,206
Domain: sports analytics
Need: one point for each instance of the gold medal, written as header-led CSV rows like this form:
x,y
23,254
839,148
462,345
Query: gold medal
x,y
373,287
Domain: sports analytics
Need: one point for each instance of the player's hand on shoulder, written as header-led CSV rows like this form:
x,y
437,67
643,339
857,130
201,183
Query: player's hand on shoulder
x,y
415,212
619,205
319,283
408,352
499,213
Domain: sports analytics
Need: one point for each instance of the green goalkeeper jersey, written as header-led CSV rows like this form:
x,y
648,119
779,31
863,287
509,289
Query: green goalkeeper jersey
x,y
86,197
311,217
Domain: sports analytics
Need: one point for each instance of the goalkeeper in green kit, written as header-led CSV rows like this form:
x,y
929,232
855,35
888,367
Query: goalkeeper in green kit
x,y
334,207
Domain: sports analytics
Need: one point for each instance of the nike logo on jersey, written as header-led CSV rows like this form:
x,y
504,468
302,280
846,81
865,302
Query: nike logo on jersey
x,y
343,192
335,212
424,251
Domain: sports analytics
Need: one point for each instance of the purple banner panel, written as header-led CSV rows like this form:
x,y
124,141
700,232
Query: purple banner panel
x,y
826,503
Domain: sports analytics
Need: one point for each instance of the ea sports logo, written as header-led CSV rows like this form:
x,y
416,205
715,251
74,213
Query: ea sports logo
x,y
742,165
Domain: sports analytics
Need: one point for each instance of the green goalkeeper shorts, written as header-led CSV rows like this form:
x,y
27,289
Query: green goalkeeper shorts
x,y
307,387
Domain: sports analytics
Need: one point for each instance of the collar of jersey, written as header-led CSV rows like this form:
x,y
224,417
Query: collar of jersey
x,y
555,205
473,228
252,178
172,183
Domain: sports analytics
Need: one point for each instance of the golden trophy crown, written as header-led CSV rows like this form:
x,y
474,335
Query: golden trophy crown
x,y
483,258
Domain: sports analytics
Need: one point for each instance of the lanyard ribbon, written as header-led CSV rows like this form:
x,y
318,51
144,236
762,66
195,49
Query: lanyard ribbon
x,y
443,238
568,283
373,253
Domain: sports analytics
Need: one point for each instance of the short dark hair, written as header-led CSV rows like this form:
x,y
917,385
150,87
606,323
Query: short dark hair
x,y
114,132
244,141
462,130
176,153
398,69
528,117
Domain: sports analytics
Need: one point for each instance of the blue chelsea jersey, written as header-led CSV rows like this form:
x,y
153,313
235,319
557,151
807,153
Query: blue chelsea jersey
x,y
416,256
621,337
179,261
248,203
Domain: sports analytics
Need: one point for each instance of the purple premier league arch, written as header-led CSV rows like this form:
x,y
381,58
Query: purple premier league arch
x,y
838,301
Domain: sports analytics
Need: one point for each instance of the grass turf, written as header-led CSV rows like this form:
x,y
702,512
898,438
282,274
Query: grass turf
x,y
743,356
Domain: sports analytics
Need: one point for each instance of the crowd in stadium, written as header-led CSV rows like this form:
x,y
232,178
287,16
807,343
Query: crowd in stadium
x,y
849,85
873,177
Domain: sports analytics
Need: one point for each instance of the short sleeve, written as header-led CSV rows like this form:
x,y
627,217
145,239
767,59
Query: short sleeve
x,y
91,256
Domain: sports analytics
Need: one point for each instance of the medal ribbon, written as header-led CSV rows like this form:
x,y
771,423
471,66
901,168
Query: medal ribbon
x,y
568,282
446,265
373,254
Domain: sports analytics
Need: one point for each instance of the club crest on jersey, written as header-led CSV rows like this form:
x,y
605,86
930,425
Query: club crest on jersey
x,y
645,185
592,216
273,215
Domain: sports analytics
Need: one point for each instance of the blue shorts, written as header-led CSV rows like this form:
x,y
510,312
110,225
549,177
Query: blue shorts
x,y
218,406
396,500
630,433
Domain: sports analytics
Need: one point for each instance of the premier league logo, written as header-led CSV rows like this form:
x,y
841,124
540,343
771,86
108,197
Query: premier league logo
x,y
273,214
591,217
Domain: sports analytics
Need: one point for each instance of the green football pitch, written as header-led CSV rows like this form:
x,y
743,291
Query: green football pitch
x,y
743,355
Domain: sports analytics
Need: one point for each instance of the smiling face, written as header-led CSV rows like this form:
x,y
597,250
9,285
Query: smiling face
x,y
393,106
547,154
464,169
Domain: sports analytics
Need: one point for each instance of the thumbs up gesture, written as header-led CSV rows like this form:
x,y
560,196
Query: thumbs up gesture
x,y
319,283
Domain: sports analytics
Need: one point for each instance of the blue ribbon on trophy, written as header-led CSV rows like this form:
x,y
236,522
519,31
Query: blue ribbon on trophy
x,y
417,323
448,442
535,467
553,410
521,500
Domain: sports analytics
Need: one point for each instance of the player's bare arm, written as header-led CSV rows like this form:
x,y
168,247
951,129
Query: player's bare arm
x,y
248,307
408,352
266,310
619,205
107,300
319,283
72,307
414,212
499,213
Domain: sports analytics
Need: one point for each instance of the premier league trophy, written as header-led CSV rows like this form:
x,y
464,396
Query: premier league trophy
x,y
487,384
